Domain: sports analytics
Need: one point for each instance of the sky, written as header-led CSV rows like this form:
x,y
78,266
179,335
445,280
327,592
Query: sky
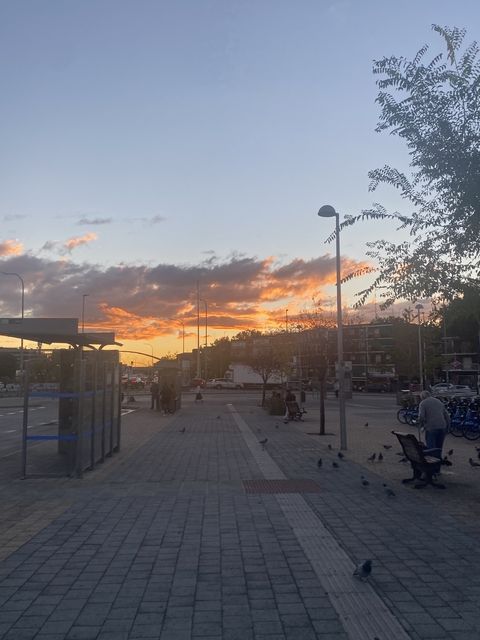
x,y
147,145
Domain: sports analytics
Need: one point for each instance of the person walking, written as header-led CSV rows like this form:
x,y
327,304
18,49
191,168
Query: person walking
x,y
434,418
165,397
154,389
336,388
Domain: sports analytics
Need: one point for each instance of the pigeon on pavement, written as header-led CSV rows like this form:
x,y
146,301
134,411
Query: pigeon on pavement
x,y
380,456
319,463
335,465
390,492
387,446
182,430
365,482
340,455
450,453
372,457
330,447
263,442
366,424
473,463
363,570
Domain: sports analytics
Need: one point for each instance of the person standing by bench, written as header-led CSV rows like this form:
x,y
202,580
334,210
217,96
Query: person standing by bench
x,y
434,418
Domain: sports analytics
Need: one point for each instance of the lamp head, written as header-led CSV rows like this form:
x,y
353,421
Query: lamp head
x,y
327,211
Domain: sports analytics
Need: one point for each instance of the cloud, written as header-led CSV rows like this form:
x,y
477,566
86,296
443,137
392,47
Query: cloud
x,y
94,221
64,248
145,220
138,301
10,248
13,216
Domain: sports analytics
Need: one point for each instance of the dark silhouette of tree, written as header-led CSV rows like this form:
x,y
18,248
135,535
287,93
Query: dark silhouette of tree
x,y
434,106
267,361
8,365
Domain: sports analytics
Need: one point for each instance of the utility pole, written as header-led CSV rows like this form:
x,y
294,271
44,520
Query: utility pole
x,y
198,330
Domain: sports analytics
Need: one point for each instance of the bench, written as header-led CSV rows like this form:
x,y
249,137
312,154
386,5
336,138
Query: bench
x,y
294,411
422,464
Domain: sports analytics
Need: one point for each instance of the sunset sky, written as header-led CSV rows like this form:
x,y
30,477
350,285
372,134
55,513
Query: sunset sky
x,y
146,145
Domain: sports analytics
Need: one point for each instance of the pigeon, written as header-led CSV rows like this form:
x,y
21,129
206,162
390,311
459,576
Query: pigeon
x,y
330,447
366,424
365,482
450,453
387,446
263,442
400,453
446,462
403,460
390,492
473,463
380,456
182,430
372,457
319,463
340,455
363,570
218,417
335,465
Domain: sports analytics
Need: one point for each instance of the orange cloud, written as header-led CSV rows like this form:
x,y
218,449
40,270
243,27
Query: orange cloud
x,y
11,248
144,302
78,241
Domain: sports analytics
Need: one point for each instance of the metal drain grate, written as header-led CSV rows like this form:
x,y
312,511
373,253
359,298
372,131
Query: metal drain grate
x,y
281,486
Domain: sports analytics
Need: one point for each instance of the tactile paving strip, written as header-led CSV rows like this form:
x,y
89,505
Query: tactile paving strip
x,y
281,486
362,612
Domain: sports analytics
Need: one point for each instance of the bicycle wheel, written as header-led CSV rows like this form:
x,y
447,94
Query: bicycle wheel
x,y
471,431
456,429
402,415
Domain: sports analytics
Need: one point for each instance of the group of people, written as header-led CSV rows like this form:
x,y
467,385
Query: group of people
x,y
162,397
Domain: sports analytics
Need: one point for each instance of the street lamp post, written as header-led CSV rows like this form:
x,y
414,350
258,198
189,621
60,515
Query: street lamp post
x,y
151,347
11,273
85,295
419,307
328,211
198,330
206,334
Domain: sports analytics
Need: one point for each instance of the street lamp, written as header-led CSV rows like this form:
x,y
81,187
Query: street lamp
x,y
85,295
10,273
328,211
149,345
419,307
206,333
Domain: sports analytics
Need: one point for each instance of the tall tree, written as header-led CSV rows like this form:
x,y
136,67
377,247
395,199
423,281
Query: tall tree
x,y
434,106
268,361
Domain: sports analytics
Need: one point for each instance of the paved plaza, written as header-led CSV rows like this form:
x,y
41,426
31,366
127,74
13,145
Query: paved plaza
x,y
218,523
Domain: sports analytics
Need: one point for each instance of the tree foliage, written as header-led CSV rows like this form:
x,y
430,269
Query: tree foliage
x,y
433,104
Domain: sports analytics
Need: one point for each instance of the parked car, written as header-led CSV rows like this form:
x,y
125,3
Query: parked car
x,y
463,390
442,387
223,383
453,390
377,387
